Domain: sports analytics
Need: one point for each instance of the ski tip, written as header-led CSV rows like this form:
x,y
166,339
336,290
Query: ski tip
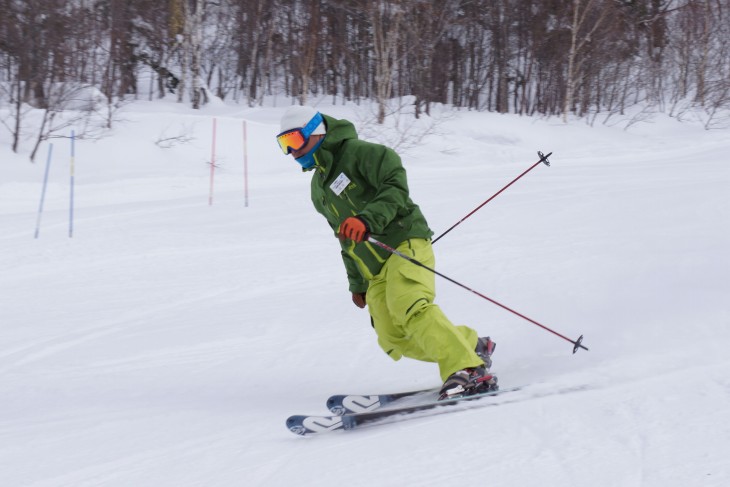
x,y
334,404
309,425
294,424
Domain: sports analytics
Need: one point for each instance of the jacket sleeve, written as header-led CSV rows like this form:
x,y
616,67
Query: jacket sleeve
x,y
382,169
357,283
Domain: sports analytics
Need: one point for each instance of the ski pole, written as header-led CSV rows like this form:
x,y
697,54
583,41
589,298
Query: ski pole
x,y
543,159
576,343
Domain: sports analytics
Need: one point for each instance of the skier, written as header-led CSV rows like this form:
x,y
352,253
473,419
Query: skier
x,y
361,189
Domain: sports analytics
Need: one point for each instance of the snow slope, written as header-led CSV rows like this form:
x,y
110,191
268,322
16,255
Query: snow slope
x,y
168,340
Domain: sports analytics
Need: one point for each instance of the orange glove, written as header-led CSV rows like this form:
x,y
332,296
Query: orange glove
x,y
355,229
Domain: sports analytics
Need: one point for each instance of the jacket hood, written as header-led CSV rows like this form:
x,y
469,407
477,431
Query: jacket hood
x,y
339,131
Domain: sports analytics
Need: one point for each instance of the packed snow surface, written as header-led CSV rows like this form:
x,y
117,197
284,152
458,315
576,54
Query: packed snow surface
x,y
166,342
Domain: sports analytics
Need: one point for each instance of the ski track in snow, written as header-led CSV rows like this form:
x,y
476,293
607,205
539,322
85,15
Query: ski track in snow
x,y
168,341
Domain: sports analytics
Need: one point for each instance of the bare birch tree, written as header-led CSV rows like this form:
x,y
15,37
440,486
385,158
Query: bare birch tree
x,y
584,25
195,26
385,20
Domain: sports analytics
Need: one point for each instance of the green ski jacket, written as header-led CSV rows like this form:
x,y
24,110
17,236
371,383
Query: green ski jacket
x,y
357,178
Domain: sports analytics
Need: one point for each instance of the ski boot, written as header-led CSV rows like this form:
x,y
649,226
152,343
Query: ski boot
x,y
467,382
485,348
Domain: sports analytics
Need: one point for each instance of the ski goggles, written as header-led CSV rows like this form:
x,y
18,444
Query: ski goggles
x,y
295,139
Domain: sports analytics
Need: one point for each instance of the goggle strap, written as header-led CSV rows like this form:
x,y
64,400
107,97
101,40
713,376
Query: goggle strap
x,y
312,125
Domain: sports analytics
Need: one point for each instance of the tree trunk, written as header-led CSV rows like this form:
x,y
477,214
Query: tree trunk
x,y
196,21
386,25
572,53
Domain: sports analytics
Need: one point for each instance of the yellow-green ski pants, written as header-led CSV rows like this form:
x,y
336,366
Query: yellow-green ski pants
x,y
408,323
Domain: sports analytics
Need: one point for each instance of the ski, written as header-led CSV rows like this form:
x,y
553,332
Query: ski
x,y
356,403
309,425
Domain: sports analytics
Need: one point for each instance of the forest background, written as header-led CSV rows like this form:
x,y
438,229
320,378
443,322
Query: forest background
x,y
74,63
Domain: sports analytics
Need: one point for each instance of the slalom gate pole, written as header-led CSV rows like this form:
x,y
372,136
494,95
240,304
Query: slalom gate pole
x,y
71,197
576,343
43,191
245,165
212,165
543,159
